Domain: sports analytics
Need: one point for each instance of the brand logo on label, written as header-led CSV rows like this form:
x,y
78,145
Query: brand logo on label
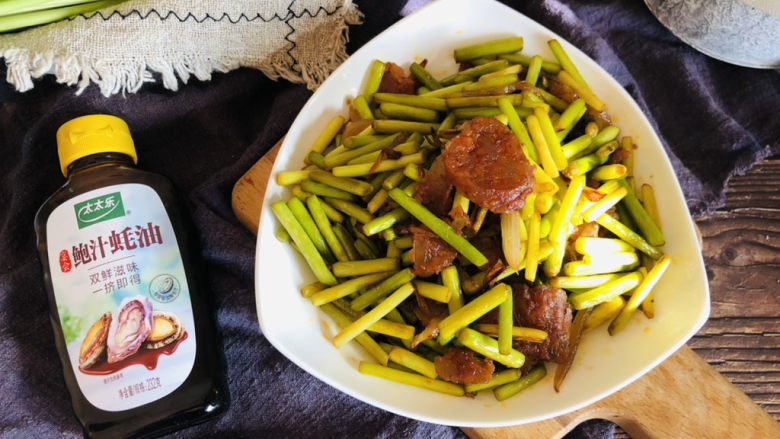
x,y
164,288
99,209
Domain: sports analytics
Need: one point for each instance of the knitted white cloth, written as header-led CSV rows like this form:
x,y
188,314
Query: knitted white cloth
x,y
119,48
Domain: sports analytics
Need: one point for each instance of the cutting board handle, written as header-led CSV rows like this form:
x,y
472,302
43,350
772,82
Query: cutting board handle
x,y
249,190
683,397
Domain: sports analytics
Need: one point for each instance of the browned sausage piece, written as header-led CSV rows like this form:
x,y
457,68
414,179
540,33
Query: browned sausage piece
x,y
544,308
395,80
486,162
619,156
462,367
490,246
430,253
568,94
436,192
561,90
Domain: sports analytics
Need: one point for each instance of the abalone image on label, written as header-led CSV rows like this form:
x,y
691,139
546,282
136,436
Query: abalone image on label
x,y
134,334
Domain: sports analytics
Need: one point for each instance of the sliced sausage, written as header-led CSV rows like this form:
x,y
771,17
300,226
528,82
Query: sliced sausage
x,y
462,366
396,80
486,162
430,253
436,192
544,308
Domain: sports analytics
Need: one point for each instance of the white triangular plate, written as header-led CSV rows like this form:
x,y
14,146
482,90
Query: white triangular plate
x,y
604,364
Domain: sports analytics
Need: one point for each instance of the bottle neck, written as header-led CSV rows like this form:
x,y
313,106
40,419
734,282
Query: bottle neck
x,y
98,161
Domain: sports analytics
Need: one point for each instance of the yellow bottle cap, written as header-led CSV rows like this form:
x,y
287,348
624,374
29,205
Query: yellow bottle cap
x,y
93,134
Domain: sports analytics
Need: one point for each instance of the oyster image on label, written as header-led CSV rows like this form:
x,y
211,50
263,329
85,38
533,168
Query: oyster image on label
x,y
93,347
130,336
130,328
167,329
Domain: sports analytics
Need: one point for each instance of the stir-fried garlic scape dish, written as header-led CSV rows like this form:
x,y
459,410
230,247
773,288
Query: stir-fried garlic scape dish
x,y
467,229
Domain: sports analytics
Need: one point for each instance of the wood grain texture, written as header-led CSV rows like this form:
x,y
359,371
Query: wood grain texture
x,y
742,255
249,190
682,398
740,340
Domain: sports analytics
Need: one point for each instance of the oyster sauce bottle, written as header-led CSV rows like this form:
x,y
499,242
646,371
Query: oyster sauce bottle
x,y
131,319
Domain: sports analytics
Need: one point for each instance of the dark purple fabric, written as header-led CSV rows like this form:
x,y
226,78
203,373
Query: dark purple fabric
x,y
714,118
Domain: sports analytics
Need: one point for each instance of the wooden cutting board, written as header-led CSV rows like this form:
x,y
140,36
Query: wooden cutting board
x,y
684,397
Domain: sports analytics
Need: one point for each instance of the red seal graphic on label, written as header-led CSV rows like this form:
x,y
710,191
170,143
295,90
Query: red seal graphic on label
x,y
65,264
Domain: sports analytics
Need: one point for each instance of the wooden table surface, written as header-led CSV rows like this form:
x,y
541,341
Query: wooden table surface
x,y
742,254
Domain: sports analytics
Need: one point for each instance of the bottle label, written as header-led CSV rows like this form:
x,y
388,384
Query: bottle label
x,y
122,296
